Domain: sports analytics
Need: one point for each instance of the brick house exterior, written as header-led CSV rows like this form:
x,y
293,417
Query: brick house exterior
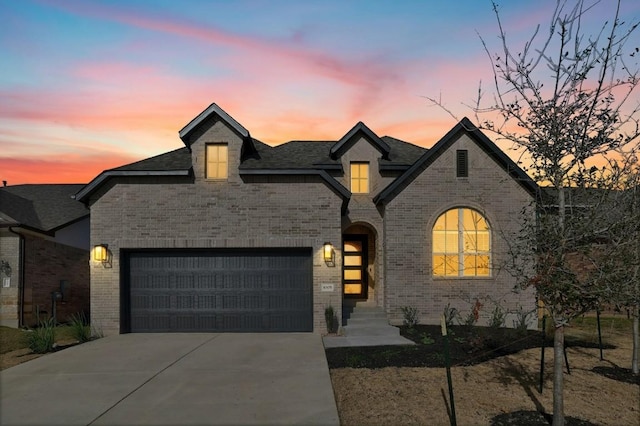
x,y
229,234
44,238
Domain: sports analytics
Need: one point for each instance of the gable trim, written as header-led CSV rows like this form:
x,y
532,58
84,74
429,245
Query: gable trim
x,y
465,126
212,109
339,147
92,186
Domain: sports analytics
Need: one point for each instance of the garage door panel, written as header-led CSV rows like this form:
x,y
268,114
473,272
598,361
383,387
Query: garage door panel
x,y
219,291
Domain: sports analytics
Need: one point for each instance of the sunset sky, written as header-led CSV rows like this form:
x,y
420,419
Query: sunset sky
x,y
90,85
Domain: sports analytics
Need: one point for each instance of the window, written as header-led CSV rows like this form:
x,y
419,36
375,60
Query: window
x,y
217,161
360,178
462,163
461,244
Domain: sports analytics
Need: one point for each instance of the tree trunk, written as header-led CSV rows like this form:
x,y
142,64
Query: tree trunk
x,y
558,376
634,361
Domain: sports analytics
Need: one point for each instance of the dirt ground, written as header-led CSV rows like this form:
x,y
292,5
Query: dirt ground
x,y
485,391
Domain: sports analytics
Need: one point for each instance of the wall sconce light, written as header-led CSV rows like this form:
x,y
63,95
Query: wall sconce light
x,y
101,253
327,250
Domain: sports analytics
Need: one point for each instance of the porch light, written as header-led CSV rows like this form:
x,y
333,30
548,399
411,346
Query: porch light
x,y
101,253
327,250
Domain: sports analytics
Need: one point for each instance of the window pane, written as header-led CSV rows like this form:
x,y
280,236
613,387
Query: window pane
x,y
353,288
352,246
469,242
440,224
438,265
483,241
438,242
451,241
470,265
483,266
353,260
451,265
352,274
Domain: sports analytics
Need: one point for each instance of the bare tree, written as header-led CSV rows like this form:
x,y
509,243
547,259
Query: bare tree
x,y
568,100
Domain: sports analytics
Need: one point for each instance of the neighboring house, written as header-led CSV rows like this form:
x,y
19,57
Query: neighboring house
x,y
44,240
230,234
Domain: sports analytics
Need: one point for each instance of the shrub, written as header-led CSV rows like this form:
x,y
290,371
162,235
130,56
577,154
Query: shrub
x,y
450,315
410,316
426,339
42,338
80,330
498,316
330,319
522,318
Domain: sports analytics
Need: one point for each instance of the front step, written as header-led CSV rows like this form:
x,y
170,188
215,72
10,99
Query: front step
x,y
365,320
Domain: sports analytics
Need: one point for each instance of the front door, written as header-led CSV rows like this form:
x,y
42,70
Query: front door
x,y
354,266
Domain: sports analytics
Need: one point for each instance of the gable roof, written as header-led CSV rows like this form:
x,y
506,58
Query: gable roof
x,y
173,163
45,208
345,142
465,126
212,109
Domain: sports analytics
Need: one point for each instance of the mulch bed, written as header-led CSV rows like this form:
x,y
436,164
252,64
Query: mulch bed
x,y
468,345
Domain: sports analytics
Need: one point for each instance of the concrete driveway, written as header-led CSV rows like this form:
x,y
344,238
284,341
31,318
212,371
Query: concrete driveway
x,y
174,379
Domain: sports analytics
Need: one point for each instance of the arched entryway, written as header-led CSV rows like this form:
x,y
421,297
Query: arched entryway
x,y
359,263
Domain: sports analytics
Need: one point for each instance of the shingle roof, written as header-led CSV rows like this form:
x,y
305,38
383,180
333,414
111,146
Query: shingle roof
x,y
42,207
179,159
316,154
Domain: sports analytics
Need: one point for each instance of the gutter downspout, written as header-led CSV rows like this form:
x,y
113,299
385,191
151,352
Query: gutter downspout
x,y
21,276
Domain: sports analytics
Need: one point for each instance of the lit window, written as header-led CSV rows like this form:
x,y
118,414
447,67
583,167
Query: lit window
x,y
461,244
360,178
217,161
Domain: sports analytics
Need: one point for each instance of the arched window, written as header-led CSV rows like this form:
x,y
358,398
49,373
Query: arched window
x,y
461,244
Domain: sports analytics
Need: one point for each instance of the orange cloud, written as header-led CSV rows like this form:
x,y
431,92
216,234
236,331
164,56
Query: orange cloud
x,y
62,169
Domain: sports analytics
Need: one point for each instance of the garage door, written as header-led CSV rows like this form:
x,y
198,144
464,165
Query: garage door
x,y
218,291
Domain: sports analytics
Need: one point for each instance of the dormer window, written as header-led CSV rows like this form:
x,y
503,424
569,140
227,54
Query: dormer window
x,y
359,178
217,161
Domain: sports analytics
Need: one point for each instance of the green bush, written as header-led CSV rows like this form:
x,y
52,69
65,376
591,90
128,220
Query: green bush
x,y
331,319
498,316
42,338
80,329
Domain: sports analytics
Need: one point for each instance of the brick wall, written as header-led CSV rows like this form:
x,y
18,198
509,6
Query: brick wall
x,y
409,219
9,298
46,264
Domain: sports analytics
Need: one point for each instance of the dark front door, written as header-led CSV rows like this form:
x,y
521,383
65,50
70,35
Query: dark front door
x,y
354,269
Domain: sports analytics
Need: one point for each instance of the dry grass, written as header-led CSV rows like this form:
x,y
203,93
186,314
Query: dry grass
x,y
14,349
503,385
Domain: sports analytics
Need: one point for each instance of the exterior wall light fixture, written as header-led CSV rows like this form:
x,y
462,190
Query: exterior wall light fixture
x,y
101,253
327,250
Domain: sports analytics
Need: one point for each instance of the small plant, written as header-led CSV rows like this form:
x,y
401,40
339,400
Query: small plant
x,y
410,316
450,315
41,339
522,318
80,329
426,339
331,319
498,316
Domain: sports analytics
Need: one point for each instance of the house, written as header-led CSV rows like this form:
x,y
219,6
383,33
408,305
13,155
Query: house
x,y
44,249
230,234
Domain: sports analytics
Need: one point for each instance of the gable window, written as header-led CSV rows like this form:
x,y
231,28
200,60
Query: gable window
x,y
360,178
461,244
217,161
462,163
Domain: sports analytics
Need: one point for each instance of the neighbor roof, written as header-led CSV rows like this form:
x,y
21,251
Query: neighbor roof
x,y
45,208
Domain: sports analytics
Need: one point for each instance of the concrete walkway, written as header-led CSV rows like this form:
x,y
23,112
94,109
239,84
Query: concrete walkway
x,y
170,379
